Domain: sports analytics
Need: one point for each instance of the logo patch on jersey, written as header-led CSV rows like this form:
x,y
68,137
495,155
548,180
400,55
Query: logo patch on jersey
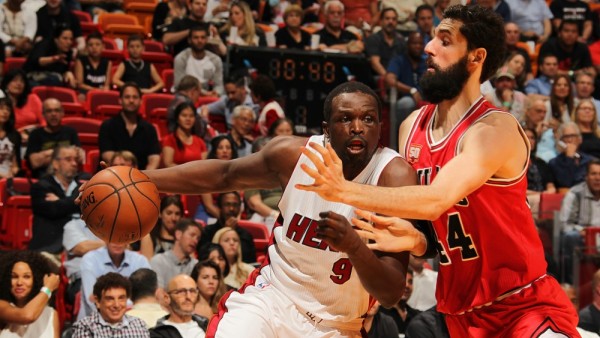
x,y
414,152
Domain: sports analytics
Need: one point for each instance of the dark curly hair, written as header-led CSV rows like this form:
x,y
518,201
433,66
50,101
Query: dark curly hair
x,y
111,280
39,265
482,28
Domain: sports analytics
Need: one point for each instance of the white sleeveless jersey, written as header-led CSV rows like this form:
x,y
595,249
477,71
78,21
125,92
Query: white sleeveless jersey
x,y
316,278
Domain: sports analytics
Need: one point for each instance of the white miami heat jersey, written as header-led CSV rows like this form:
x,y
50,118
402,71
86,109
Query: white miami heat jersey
x,y
316,278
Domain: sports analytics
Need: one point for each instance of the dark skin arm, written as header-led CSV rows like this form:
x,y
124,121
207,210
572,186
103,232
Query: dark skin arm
x,y
269,168
376,270
272,167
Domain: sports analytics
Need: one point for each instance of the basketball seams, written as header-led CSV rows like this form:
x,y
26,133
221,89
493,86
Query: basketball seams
x,y
137,214
134,205
113,182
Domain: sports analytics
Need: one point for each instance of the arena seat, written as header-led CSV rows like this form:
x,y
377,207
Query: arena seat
x,y
60,93
15,232
168,79
120,25
97,97
105,111
141,10
92,160
158,116
13,63
549,203
154,100
260,234
109,43
153,46
83,125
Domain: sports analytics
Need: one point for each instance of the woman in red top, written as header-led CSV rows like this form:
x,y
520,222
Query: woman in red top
x,y
183,145
27,106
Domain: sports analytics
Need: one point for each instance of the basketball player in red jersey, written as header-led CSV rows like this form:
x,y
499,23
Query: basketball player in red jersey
x,y
320,274
471,161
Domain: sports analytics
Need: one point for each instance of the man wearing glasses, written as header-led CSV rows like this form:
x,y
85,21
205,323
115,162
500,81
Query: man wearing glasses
x,y
52,202
181,296
569,166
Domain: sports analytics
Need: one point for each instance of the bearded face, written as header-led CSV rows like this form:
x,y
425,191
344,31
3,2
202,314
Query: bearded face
x,y
444,84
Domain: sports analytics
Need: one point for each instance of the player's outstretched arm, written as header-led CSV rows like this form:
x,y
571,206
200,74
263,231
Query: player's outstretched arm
x,y
389,234
492,147
259,170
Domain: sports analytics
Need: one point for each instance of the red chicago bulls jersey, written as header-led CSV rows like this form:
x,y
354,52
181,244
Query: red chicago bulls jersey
x,y
487,242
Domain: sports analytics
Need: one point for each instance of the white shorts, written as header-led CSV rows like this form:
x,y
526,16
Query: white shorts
x,y
265,312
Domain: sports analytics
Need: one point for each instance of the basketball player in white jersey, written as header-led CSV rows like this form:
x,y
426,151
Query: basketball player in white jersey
x,y
319,274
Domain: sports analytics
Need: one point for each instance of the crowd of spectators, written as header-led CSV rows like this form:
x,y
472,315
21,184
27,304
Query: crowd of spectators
x,y
548,82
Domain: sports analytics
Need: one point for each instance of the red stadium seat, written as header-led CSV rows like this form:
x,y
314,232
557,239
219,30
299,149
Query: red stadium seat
x,y
83,125
161,61
16,222
260,234
74,109
158,116
218,122
549,203
82,16
114,55
153,46
89,141
109,43
13,63
92,161
96,98
14,186
202,100
168,77
119,25
155,100
60,93
105,111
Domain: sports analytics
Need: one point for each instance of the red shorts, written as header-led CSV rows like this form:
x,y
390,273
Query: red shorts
x,y
543,307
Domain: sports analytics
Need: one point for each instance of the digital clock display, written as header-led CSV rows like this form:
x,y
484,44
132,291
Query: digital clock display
x,y
302,78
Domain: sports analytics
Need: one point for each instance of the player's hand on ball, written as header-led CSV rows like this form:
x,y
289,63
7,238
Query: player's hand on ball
x,y
390,234
329,175
103,166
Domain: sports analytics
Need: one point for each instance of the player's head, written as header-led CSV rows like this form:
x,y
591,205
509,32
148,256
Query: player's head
x,y
470,40
352,123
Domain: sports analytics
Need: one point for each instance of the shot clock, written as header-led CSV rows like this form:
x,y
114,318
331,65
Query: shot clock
x,y
302,78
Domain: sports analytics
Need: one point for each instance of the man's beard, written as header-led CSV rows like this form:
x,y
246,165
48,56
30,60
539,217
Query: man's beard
x,y
441,85
197,49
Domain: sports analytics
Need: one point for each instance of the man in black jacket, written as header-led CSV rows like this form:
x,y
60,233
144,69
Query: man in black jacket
x,y
52,201
181,296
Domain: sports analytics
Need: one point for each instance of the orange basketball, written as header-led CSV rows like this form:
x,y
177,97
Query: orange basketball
x,y
120,204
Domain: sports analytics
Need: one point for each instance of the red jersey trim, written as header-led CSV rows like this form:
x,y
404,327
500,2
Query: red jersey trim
x,y
418,120
435,146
